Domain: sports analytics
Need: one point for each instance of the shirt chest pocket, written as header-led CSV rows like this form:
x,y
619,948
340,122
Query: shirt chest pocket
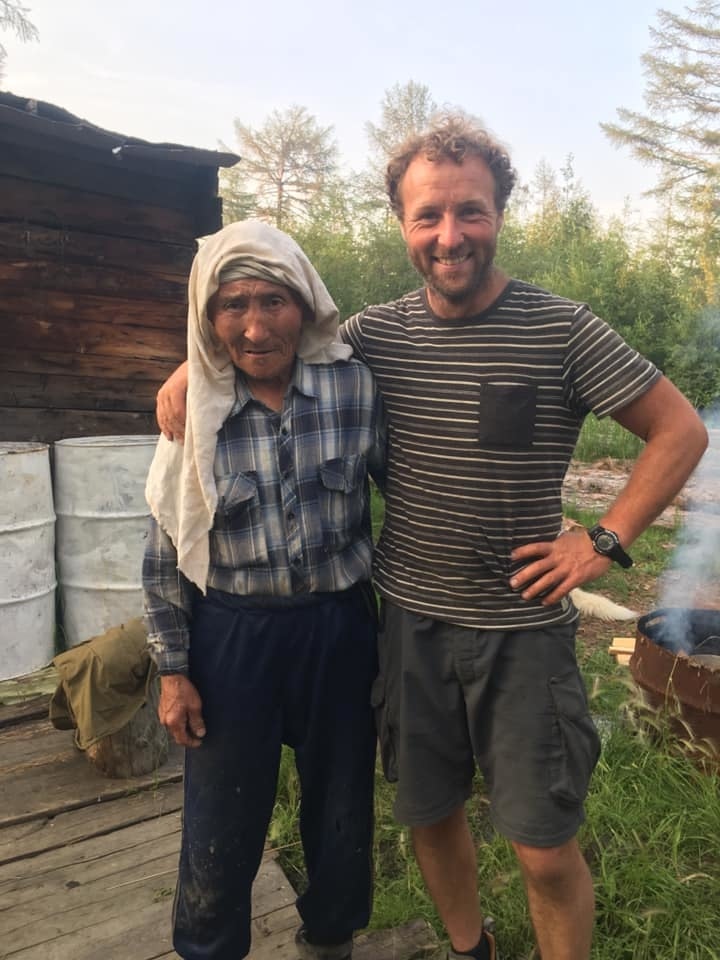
x,y
507,414
342,498
237,538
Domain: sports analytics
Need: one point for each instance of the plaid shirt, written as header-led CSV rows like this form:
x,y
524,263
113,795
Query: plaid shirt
x,y
293,513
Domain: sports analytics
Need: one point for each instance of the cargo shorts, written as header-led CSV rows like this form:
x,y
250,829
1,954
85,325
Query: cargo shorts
x,y
513,702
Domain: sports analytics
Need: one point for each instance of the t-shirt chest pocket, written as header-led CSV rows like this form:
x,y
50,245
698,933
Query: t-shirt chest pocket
x,y
507,414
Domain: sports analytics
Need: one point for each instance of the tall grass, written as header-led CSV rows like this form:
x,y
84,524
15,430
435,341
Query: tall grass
x,y
606,438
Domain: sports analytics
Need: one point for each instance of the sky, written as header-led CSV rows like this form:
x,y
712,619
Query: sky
x,y
541,75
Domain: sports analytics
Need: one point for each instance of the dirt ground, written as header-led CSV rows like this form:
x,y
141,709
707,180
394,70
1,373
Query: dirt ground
x,y
593,486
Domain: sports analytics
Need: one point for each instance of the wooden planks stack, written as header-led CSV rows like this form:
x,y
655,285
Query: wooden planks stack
x,y
622,649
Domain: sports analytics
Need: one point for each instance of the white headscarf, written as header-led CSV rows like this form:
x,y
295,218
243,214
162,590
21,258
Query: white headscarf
x,y
180,487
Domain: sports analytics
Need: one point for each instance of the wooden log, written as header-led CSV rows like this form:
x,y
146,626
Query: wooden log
x,y
49,274
22,332
99,172
81,365
57,206
137,748
60,305
47,425
18,239
80,393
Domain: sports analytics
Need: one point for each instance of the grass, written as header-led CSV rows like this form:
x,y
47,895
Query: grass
x,y
606,438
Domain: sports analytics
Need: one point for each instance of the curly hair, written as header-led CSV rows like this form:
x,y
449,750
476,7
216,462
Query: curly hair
x,y
451,136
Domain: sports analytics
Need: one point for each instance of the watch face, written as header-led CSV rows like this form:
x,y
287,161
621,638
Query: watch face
x,y
604,542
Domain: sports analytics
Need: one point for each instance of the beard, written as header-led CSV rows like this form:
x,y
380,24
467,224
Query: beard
x,y
457,293
463,289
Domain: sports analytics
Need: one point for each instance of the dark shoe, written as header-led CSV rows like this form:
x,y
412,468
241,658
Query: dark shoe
x,y
489,931
313,951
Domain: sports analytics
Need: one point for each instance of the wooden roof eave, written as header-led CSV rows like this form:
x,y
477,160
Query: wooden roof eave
x,y
85,134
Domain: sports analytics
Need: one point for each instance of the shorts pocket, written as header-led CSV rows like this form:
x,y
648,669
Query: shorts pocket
x,y
579,747
507,414
379,703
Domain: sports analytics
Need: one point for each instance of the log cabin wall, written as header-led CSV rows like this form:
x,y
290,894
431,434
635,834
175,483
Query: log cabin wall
x,y
97,234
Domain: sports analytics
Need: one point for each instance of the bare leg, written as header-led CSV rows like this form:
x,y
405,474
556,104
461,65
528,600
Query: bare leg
x,y
445,853
561,899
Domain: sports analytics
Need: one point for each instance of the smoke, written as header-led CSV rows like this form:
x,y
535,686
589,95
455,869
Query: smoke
x,y
692,578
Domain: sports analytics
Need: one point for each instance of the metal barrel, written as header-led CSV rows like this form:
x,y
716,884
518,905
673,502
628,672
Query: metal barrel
x,y
27,559
102,527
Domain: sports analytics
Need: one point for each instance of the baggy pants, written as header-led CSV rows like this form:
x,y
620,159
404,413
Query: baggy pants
x,y
299,675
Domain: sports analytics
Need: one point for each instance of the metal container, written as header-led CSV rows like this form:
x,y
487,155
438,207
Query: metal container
x,y
102,526
27,559
685,685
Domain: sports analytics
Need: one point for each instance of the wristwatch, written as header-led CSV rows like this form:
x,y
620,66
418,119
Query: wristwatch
x,y
607,544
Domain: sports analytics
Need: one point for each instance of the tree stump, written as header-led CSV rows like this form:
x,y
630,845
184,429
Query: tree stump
x,y
137,748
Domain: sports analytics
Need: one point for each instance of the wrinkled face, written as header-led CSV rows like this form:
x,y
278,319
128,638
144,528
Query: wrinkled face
x,y
259,323
450,225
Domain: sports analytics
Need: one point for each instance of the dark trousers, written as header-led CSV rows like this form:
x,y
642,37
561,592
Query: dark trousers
x,y
299,675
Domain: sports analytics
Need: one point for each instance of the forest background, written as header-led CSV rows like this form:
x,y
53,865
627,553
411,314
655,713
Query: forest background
x,y
657,286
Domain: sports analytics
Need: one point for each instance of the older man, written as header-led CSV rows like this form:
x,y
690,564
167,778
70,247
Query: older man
x,y
486,381
256,577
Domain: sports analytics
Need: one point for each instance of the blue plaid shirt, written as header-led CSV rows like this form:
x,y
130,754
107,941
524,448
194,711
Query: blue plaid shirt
x,y
293,512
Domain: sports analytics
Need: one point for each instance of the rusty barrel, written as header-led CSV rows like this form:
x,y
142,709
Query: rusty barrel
x,y
676,663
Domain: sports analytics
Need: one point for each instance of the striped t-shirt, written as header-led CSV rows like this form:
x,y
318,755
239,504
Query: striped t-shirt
x,y
483,416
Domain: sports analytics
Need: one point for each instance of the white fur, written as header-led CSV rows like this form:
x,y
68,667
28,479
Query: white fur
x,y
595,605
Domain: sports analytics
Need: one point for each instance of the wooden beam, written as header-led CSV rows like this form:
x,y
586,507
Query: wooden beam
x,y
62,207
81,365
106,339
101,172
47,425
47,273
79,393
622,649
59,305
28,241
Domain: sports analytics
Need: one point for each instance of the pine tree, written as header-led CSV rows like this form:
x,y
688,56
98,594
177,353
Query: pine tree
x,y
285,163
14,17
679,133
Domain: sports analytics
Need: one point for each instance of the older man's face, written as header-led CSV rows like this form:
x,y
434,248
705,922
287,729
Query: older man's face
x,y
259,323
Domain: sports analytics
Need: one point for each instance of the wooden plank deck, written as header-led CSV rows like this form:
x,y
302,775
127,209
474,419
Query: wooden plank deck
x,y
88,864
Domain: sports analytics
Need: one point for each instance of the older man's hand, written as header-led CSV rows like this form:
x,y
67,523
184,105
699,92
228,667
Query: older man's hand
x,y
180,710
171,405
